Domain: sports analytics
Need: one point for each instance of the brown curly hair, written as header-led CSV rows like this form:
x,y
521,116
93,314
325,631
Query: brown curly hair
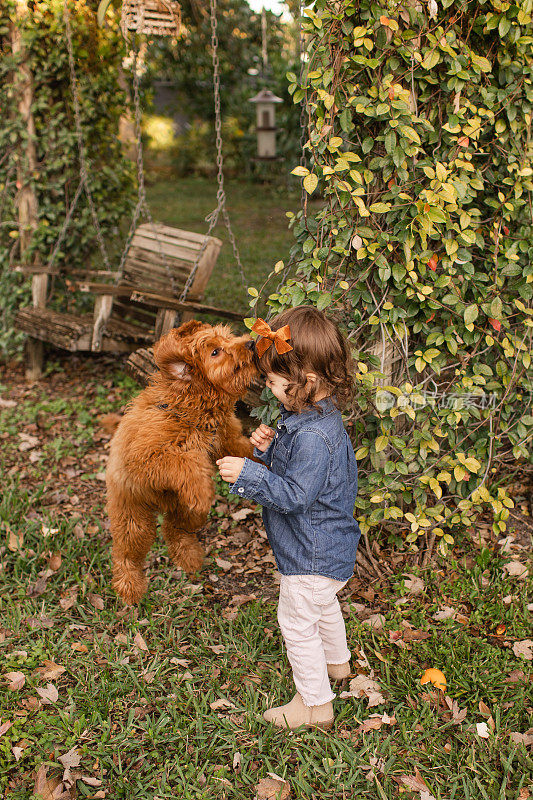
x,y
319,347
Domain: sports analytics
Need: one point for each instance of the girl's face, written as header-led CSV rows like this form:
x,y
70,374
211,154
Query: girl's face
x,y
278,385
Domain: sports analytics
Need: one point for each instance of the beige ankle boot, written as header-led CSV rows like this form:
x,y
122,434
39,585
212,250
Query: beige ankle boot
x,y
295,713
339,672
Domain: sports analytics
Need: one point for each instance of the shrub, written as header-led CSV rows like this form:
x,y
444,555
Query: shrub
x,y
420,146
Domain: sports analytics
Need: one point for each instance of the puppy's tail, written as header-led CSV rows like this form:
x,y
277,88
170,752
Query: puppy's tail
x,y
110,422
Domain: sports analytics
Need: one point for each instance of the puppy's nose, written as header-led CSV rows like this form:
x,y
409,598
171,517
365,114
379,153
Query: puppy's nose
x,y
250,345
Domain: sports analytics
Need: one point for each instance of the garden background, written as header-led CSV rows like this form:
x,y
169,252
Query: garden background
x,y
407,217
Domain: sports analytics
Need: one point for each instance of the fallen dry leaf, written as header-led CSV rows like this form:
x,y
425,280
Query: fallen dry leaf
x,y
5,403
414,782
523,738
47,788
15,540
50,671
241,514
516,569
272,789
70,759
16,680
375,621
49,694
79,647
237,760
524,649
222,702
446,612
414,584
458,715
375,722
484,709
5,726
516,676
139,641
217,648
181,662
96,601
363,686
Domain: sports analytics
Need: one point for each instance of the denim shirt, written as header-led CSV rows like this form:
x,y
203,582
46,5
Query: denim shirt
x,y
308,494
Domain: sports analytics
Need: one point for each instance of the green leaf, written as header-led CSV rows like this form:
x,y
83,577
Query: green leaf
x,y
310,182
471,313
431,59
380,208
381,443
324,300
496,308
102,11
300,171
504,26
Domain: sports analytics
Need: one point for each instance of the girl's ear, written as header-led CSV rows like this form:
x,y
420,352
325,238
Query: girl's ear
x,y
311,377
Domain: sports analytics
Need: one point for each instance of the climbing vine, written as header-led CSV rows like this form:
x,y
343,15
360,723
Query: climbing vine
x,y
98,54
419,238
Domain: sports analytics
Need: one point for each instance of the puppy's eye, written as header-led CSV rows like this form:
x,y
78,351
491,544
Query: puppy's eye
x,y
215,352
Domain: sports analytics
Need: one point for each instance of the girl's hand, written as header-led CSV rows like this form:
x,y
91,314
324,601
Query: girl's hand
x,y
262,437
230,468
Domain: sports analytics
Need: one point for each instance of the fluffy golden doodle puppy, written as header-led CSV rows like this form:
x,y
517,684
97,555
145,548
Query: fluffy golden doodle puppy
x,y
162,454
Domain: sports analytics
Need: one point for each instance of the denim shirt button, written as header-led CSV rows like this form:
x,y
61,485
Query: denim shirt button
x,y
240,490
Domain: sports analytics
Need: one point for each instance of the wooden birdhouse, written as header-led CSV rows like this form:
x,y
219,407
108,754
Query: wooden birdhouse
x,y
266,123
152,17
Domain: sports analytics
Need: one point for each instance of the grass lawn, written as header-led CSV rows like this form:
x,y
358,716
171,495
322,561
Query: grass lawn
x,y
165,700
258,220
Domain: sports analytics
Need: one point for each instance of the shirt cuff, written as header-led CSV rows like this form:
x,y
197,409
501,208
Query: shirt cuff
x,y
264,457
249,479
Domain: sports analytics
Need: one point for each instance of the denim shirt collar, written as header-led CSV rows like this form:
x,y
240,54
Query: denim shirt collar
x,y
291,421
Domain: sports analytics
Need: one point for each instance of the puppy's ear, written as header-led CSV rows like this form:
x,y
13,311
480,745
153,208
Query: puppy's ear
x,y
189,327
173,357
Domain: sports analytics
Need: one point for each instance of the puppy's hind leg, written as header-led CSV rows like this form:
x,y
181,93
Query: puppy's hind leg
x,y
133,529
183,547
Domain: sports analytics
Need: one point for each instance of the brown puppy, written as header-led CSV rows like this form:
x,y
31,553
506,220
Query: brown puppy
x,y
162,454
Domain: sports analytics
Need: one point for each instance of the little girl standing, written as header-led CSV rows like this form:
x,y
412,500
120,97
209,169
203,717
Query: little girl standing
x,y
307,485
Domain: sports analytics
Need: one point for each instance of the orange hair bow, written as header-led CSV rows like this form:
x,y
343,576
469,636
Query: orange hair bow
x,y
279,337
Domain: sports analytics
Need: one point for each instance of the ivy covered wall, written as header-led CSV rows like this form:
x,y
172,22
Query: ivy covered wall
x,y
420,153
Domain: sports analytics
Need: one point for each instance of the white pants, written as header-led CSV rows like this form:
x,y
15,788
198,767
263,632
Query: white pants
x,y
311,622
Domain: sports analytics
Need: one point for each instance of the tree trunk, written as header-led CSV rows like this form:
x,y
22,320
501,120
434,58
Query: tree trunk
x,y
28,214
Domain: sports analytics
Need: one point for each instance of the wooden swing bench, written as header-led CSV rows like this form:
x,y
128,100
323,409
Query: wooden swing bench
x,y
134,312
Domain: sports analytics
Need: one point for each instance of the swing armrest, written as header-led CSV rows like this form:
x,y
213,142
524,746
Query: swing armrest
x,y
160,301
156,300
89,287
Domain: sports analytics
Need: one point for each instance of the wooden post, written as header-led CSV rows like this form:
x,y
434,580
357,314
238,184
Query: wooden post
x,y
28,216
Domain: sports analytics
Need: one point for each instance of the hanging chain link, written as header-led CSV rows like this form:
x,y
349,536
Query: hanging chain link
x,y
79,134
142,205
213,217
66,223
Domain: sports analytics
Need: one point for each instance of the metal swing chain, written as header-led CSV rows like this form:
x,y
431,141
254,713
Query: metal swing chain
x,y
141,205
66,223
212,218
79,133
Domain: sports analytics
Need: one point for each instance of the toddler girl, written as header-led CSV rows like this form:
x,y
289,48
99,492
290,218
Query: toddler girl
x,y
307,485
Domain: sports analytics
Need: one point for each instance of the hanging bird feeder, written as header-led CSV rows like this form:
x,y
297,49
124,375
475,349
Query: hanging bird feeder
x,y
152,17
266,124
